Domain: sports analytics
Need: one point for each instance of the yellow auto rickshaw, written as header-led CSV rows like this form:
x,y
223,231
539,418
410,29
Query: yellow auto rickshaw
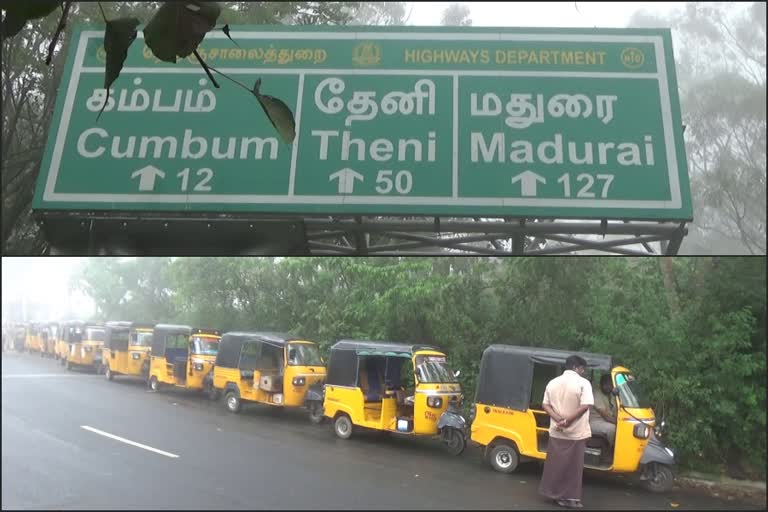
x,y
61,347
49,336
182,356
33,341
86,342
126,349
269,368
394,387
509,421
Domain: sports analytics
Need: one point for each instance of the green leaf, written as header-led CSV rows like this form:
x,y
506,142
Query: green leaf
x,y
177,28
119,36
225,29
18,13
278,112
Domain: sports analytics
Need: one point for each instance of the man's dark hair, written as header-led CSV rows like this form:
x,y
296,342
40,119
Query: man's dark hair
x,y
574,362
606,379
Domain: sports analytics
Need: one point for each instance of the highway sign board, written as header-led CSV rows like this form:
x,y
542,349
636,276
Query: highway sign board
x,y
564,123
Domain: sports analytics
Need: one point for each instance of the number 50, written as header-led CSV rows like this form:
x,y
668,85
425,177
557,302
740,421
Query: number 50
x,y
403,182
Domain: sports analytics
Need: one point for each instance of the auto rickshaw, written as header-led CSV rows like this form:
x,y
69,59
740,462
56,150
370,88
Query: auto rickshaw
x,y
269,368
49,335
181,356
394,387
33,342
508,418
86,342
61,347
126,349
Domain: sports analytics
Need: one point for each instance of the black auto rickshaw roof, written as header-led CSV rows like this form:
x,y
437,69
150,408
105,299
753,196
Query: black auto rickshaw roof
x,y
384,348
506,372
231,344
121,326
161,331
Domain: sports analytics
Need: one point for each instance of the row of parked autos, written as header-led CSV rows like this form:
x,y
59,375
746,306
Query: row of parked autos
x,y
408,389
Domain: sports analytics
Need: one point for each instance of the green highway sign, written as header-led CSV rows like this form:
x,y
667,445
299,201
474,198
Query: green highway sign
x,y
561,123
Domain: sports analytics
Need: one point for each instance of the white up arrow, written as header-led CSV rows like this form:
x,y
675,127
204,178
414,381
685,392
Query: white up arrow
x,y
346,179
147,177
528,181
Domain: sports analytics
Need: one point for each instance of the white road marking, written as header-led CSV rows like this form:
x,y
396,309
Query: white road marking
x,y
127,441
37,375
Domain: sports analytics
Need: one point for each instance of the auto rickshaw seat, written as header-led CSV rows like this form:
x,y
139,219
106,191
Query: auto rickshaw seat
x,y
374,391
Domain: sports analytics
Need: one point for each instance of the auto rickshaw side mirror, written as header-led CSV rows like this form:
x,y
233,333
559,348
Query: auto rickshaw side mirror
x,y
457,373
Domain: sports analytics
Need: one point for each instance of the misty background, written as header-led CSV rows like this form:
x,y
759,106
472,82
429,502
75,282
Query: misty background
x,y
719,54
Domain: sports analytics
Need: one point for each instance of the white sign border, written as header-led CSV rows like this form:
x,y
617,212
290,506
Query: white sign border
x,y
50,195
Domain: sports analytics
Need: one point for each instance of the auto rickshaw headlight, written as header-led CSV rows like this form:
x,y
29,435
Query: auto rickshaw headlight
x,y
87,348
198,367
135,355
642,431
299,381
435,401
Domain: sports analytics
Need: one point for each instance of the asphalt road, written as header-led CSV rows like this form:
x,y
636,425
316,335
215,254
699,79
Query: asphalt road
x,y
262,458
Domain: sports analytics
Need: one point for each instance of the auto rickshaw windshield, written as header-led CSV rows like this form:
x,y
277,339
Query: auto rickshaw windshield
x,y
205,346
630,391
141,339
434,370
303,354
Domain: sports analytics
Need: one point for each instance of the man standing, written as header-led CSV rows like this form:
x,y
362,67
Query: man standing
x,y
566,400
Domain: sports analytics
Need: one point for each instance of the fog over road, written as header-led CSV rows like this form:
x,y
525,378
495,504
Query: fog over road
x,y
185,452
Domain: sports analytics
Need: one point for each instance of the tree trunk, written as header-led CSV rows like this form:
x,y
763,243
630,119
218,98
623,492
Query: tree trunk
x,y
667,273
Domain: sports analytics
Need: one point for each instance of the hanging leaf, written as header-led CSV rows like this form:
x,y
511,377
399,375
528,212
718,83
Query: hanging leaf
x,y
177,28
225,29
119,36
18,13
278,112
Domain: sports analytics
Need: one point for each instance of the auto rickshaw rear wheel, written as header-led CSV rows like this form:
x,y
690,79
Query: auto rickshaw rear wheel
x,y
454,441
343,426
316,413
503,458
232,399
211,392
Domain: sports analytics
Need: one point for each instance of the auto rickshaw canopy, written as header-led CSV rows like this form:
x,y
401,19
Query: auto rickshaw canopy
x,y
506,372
343,366
115,342
231,345
163,331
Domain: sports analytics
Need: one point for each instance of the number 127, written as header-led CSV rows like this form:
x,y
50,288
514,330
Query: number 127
x,y
589,181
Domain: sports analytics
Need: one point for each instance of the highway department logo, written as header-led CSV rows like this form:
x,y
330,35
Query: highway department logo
x,y
366,54
632,58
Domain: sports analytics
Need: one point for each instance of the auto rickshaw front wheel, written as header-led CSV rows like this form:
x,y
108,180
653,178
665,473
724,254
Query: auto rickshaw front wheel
x,y
454,441
503,457
232,399
108,374
343,426
154,384
660,477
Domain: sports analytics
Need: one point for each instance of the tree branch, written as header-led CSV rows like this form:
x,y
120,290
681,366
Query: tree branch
x,y
59,29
